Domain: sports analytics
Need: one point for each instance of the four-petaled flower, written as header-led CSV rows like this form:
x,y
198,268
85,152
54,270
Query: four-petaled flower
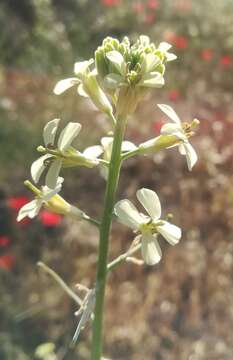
x,y
182,132
148,226
32,208
63,155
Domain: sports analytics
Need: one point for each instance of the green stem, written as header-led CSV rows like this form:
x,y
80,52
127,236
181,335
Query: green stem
x,y
123,257
113,176
91,220
131,153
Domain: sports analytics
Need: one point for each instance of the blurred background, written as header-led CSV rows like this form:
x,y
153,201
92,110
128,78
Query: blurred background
x,y
181,309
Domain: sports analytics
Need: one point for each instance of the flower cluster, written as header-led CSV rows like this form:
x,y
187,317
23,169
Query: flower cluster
x,y
116,80
121,74
127,72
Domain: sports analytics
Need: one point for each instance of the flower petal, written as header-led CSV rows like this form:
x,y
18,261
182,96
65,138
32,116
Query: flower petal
x,y
151,251
128,146
67,135
53,173
38,167
81,91
81,67
164,46
112,81
128,214
170,112
152,79
64,85
170,56
170,232
173,129
106,141
181,149
31,209
49,132
118,60
191,155
48,193
151,61
150,201
93,152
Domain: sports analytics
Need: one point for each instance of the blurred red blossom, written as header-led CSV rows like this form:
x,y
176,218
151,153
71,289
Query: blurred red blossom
x,y
25,221
180,41
207,54
50,219
149,18
17,202
174,95
7,262
225,60
152,4
138,7
183,5
111,2
157,126
4,241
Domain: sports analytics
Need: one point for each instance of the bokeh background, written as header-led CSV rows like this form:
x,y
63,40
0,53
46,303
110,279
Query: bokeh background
x,y
181,309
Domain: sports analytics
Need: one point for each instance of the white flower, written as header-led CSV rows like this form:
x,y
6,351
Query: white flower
x,y
177,130
67,135
105,149
149,226
88,86
164,47
33,207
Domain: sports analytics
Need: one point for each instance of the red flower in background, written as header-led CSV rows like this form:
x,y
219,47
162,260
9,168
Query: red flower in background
x,y
180,41
50,219
207,54
138,7
150,18
174,95
225,60
152,4
111,2
7,262
17,202
157,126
4,241
25,221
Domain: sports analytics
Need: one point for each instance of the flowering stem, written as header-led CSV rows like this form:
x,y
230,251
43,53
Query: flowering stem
x,y
114,170
123,257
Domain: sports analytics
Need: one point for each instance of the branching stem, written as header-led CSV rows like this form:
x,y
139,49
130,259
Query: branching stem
x,y
123,257
113,176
